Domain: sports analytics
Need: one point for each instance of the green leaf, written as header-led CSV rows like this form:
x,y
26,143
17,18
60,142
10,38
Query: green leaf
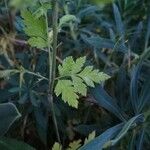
x,y
70,66
37,42
66,89
79,86
67,19
89,75
75,145
8,115
11,144
66,68
78,78
90,137
57,146
76,68
35,28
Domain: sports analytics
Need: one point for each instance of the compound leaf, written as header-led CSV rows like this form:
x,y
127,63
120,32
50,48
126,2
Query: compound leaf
x,y
78,78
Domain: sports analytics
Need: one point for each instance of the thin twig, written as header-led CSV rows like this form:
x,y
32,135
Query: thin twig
x,y
36,74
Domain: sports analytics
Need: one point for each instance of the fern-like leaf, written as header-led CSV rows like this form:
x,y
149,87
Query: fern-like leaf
x,y
90,137
75,145
70,66
78,78
35,28
65,87
90,75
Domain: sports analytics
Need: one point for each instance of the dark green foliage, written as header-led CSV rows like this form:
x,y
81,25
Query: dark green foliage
x,y
11,144
115,37
8,115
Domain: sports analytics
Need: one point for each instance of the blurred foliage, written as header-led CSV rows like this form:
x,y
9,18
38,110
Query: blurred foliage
x,y
115,37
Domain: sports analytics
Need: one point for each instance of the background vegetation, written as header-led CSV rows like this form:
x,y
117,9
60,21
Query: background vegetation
x,y
115,38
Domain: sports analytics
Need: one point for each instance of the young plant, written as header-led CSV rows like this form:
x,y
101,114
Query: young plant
x,y
73,76
73,79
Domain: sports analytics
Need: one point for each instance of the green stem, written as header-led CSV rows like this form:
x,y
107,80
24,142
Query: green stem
x,y
55,34
52,63
49,52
